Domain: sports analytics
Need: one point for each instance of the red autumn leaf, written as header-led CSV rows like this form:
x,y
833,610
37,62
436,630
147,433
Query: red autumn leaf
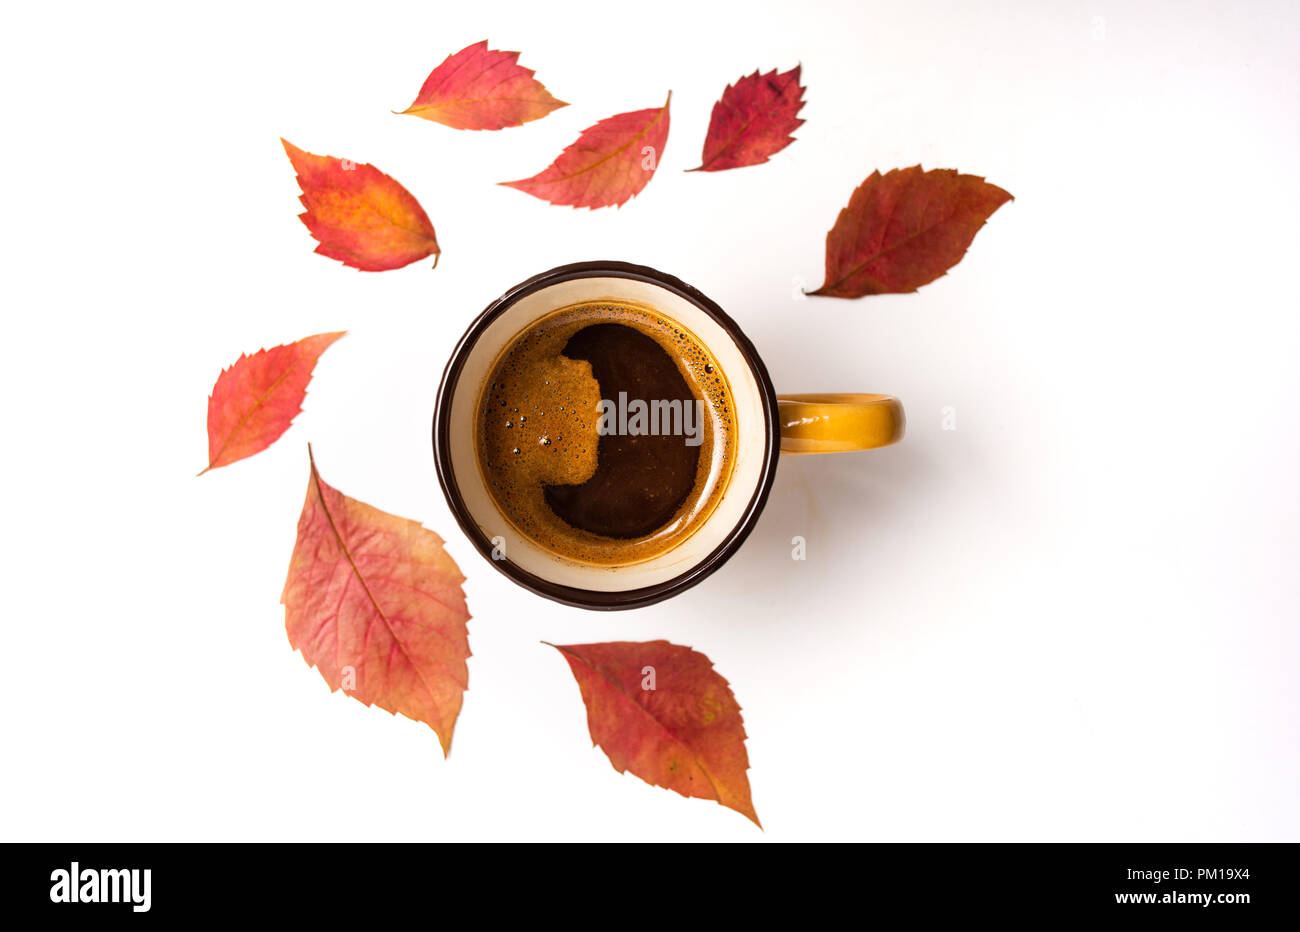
x,y
662,712
359,215
375,604
753,120
608,164
905,229
256,399
479,88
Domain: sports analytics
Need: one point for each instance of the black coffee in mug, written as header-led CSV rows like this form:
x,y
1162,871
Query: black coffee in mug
x,y
606,432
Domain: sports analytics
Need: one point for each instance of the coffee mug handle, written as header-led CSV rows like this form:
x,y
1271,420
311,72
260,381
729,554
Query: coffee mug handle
x,y
835,423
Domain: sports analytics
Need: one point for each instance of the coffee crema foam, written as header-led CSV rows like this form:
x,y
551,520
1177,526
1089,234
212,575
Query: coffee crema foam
x,y
538,434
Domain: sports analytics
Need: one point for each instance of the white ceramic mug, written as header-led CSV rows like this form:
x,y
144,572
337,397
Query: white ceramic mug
x,y
765,426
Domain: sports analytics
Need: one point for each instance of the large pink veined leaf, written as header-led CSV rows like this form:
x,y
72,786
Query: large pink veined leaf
x,y
375,604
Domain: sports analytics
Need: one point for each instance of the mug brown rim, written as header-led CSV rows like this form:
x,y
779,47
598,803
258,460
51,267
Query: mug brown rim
x,y
572,595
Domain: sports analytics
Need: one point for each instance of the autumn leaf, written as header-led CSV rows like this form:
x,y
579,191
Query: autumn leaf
x,y
662,712
609,163
753,120
905,229
359,215
479,88
375,604
256,399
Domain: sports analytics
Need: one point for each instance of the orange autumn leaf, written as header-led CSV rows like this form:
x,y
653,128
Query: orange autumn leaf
x,y
753,120
255,400
375,604
609,163
480,88
359,215
905,229
661,711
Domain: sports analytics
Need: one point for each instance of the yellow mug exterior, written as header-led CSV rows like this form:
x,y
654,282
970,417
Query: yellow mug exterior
x,y
838,423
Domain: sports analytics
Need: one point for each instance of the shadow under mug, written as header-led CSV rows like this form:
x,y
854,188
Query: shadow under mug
x,y
767,425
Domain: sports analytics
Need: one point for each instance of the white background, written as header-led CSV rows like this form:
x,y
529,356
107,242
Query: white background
x,y
1073,617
